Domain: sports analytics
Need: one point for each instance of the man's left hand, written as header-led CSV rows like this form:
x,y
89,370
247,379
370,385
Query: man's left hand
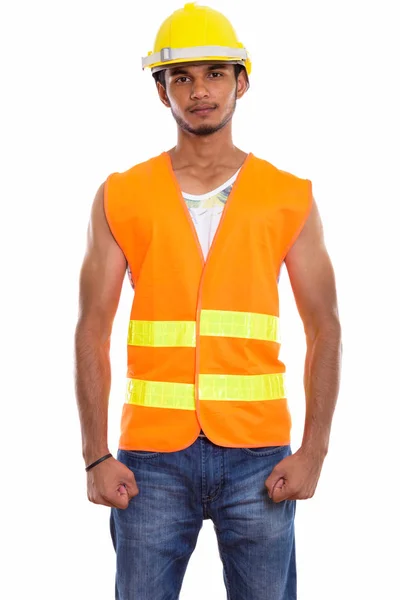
x,y
295,477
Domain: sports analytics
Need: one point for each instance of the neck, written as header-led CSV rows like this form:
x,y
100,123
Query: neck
x,y
204,151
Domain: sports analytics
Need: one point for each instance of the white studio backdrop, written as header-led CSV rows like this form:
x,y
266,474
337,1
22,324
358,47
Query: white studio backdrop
x,y
76,106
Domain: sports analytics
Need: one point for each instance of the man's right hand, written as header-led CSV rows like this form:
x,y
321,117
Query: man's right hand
x,y
111,483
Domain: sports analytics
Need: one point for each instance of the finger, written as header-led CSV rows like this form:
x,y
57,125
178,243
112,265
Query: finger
x,y
123,503
127,490
275,475
280,492
293,497
103,501
131,488
118,501
123,494
279,495
270,483
278,482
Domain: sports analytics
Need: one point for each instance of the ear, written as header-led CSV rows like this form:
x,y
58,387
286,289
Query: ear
x,y
242,84
162,93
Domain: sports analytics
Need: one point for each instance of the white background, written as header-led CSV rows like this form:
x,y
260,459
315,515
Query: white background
x,y
76,106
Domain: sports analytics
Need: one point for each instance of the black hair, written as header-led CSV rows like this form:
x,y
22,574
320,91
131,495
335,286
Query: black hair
x,y
159,76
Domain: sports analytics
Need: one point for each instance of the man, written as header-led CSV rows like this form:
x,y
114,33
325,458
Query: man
x,y
205,433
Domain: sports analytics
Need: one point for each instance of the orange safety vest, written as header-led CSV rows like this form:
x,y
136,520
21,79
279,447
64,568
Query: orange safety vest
x,y
203,339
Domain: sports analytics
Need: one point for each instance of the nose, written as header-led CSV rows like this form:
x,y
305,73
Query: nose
x,y
199,89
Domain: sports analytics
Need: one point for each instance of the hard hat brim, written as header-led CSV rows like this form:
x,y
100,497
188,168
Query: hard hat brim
x,y
169,56
190,61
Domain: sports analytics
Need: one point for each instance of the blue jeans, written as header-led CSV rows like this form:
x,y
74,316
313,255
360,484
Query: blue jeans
x,y
156,535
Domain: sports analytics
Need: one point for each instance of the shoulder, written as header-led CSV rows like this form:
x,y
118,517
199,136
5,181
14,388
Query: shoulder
x,y
284,183
138,171
285,178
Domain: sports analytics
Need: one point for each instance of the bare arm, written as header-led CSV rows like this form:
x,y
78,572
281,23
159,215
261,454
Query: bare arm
x,y
110,482
101,279
313,282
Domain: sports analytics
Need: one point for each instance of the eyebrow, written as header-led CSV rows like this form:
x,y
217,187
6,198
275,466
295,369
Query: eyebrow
x,y
183,71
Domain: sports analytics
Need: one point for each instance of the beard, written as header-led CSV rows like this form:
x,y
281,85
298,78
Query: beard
x,y
202,130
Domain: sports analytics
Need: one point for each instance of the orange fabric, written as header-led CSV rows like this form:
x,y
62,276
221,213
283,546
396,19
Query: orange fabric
x,y
147,215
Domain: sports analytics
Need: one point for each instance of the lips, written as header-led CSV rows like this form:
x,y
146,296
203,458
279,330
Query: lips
x,y
203,108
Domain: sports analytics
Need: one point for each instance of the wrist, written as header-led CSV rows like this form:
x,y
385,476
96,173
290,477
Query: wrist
x,y
98,461
92,454
314,450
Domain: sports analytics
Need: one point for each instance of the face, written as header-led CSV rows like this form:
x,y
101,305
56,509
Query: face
x,y
202,97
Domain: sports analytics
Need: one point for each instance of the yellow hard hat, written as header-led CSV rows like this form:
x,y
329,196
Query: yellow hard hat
x,y
194,34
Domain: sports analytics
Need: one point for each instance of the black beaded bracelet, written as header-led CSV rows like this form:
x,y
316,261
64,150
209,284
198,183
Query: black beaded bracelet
x,y
96,462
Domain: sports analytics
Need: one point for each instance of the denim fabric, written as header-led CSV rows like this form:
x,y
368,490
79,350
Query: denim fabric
x,y
156,535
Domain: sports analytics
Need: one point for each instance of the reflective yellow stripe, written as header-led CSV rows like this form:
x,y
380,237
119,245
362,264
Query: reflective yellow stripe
x,y
160,394
230,323
242,387
162,333
164,394
222,323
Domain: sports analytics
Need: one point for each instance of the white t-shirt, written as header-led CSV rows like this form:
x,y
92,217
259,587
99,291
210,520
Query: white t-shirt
x,y
206,210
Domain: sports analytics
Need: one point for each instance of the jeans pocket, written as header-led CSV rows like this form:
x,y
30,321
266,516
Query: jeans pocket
x,y
264,450
140,453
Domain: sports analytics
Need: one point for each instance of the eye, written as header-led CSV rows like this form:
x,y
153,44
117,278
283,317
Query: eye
x,y
216,73
180,79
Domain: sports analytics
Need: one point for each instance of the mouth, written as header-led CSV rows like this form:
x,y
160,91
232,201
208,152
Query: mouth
x,y
203,110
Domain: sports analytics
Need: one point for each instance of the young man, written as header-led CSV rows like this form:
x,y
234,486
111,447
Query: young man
x,y
205,433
